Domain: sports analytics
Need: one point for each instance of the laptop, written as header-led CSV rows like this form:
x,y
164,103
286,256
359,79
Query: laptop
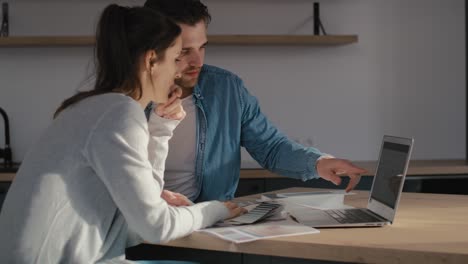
x,y
385,194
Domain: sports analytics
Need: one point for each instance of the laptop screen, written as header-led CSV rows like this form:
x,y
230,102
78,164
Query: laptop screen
x,y
389,175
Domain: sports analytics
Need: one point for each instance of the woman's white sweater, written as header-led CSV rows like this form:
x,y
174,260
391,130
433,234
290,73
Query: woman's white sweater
x,y
88,189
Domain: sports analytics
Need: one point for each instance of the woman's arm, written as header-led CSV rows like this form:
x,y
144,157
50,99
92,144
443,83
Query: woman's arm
x,y
117,150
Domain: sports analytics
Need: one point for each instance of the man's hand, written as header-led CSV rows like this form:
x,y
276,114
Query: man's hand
x,y
172,109
332,169
175,199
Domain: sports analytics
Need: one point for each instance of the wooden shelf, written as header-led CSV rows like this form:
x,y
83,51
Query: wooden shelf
x,y
38,41
282,39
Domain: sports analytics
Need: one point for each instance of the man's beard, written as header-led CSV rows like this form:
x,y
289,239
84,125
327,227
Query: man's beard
x,y
186,84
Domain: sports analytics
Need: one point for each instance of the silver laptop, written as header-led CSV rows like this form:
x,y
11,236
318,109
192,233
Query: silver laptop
x,y
384,197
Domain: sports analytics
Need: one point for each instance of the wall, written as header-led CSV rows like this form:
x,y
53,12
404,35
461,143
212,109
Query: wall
x,y
405,76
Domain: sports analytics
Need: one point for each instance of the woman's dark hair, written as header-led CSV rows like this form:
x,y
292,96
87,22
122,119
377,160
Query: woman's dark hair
x,y
123,35
187,12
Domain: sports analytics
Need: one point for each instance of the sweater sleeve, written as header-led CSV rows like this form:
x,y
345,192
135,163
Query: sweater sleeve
x,y
117,150
160,131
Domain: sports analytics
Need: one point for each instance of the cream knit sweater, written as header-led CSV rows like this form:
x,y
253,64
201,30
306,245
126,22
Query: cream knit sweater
x,y
88,188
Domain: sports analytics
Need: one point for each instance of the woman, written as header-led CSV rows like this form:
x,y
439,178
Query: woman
x,y
88,189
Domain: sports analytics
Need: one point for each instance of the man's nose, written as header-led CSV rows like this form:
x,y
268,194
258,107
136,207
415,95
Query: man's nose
x,y
196,59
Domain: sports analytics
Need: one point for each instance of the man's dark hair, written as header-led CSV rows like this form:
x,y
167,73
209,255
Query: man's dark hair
x,y
187,12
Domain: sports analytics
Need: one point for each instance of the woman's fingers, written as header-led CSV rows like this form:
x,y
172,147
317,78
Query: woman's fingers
x,y
175,199
234,209
177,114
173,109
176,91
174,104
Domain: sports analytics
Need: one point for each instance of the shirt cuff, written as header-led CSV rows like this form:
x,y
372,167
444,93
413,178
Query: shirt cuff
x,y
325,156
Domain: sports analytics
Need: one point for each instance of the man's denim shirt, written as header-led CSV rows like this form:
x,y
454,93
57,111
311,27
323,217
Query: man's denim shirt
x,y
228,117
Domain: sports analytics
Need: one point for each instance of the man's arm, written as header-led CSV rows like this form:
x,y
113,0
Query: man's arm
x,y
276,152
270,147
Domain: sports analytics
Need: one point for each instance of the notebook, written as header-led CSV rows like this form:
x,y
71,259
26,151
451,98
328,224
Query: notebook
x,y
385,194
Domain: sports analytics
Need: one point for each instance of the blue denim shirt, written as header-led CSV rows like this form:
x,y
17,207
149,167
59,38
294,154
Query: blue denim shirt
x,y
229,118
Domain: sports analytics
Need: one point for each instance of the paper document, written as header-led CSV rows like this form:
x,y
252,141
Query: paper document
x,y
316,199
247,233
295,194
274,196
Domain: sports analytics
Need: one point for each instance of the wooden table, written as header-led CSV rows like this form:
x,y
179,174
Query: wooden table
x,y
429,228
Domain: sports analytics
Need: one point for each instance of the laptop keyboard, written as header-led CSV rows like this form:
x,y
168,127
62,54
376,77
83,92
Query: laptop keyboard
x,y
352,216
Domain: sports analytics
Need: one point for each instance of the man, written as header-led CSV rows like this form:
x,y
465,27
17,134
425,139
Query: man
x,y
204,153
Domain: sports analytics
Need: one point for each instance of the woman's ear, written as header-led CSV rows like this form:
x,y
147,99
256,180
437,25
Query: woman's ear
x,y
150,61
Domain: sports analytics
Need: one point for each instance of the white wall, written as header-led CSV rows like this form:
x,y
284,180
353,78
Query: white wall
x,y
405,76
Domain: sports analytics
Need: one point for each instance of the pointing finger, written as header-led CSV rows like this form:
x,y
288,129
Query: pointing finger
x,y
353,181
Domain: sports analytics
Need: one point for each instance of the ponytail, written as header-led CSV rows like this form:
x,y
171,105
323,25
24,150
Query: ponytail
x,y
123,35
113,51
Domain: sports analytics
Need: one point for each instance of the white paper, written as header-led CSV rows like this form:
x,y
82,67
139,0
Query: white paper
x,y
247,233
316,199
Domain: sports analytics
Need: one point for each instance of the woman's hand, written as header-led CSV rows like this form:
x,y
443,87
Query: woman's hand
x,y
172,109
175,199
234,210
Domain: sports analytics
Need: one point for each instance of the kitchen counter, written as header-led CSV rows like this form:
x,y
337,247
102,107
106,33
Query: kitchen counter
x,y
417,169
8,174
12,169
